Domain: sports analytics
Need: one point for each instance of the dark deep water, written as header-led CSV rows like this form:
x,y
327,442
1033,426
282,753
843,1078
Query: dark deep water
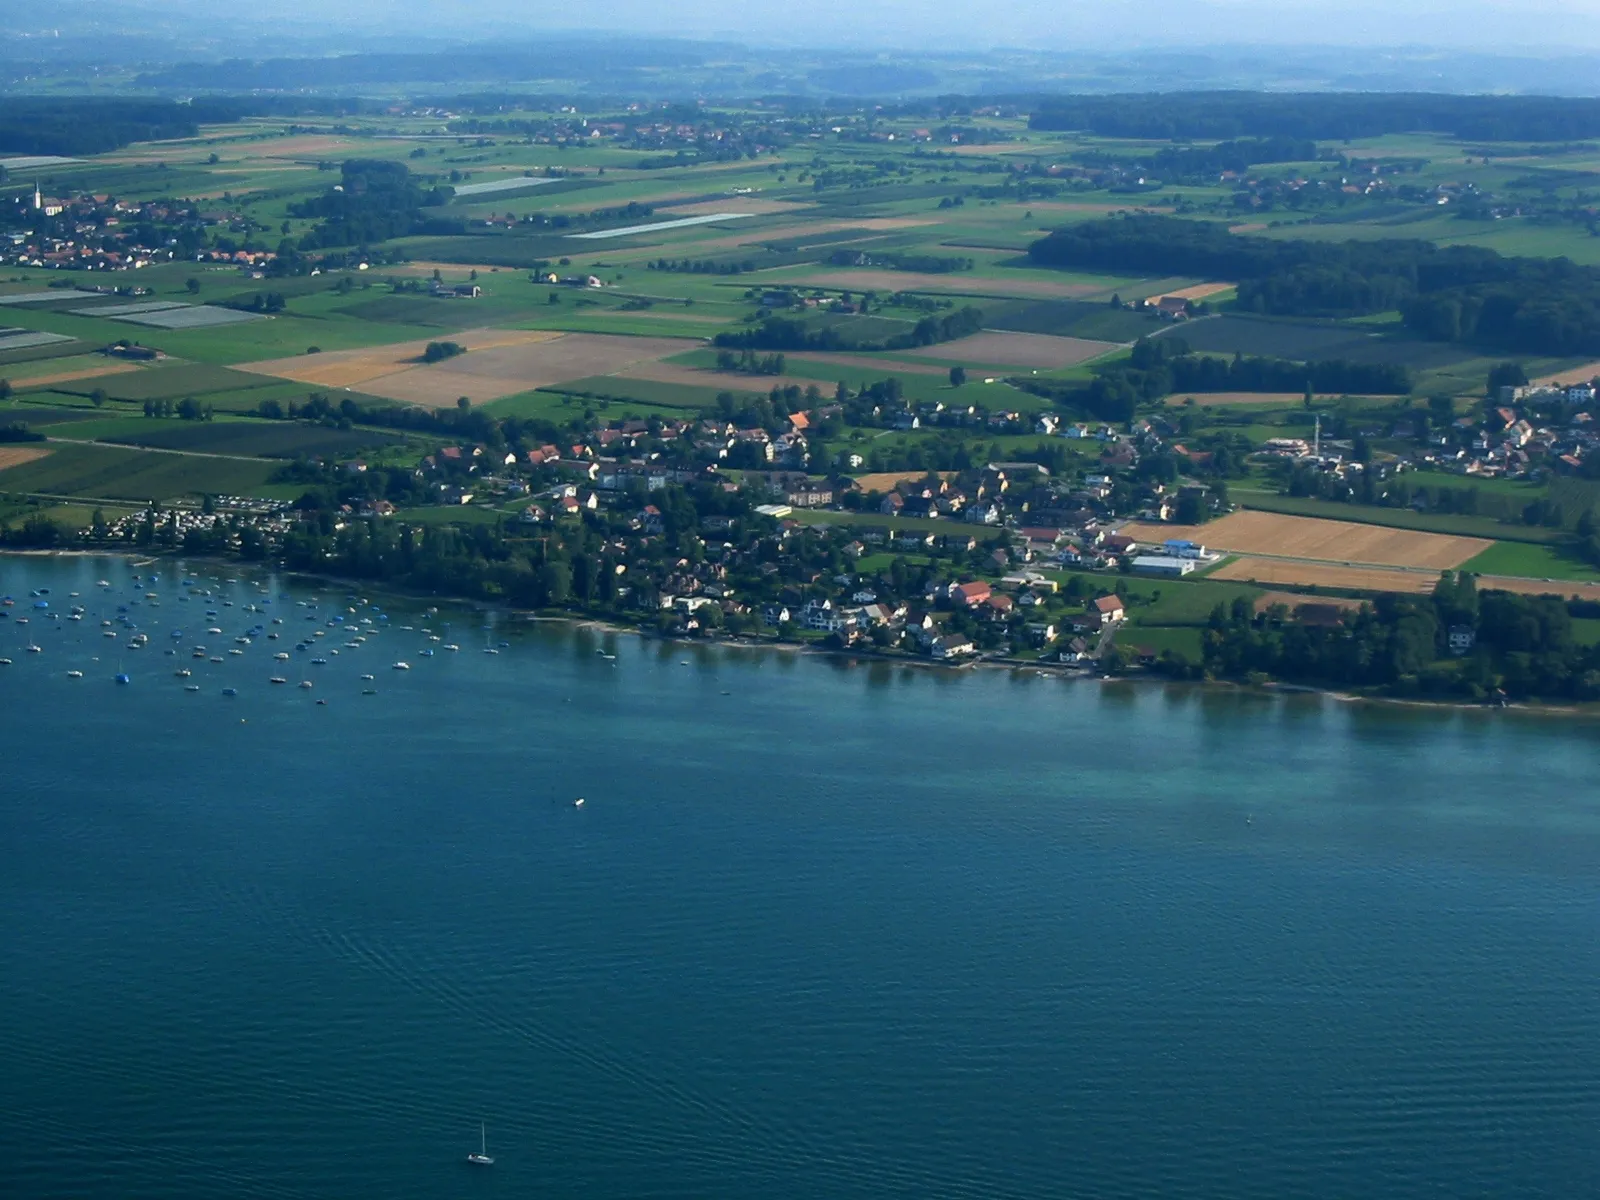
x,y
819,931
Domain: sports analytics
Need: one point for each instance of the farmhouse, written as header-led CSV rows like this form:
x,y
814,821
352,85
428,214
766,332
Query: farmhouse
x,y
1108,608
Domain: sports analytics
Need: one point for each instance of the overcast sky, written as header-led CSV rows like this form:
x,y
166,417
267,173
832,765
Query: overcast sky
x,y
1496,25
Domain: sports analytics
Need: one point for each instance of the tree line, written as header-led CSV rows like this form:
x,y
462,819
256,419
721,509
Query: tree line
x,y
1465,294
1158,367
786,333
374,201
1326,115
1522,646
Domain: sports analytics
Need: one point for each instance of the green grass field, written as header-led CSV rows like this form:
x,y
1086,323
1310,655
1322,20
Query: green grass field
x,y
1533,562
128,474
259,439
1397,518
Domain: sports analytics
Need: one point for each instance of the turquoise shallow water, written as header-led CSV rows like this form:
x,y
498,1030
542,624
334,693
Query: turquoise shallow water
x,y
820,930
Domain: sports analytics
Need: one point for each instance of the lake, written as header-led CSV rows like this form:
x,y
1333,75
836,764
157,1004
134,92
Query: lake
x,y
820,929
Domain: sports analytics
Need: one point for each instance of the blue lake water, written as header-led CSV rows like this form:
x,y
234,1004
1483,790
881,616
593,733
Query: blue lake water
x,y
819,930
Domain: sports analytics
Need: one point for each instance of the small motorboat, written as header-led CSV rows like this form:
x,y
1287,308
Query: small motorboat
x,y
578,803
367,677
74,674
305,683
183,672
230,691
277,679
123,677
402,666
191,687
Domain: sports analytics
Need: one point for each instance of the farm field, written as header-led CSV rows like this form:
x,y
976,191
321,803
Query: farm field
x,y
349,368
250,439
1262,533
168,381
42,372
1462,524
125,474
1537,587
1044,351
1581,373
1531,561
1252,400
498,363
722,381
15,456
1283,572
866,280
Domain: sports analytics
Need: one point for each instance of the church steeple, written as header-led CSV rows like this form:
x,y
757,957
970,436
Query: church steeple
x,y
38,198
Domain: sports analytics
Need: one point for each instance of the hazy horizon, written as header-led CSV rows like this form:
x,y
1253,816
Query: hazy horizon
x,y
1548,27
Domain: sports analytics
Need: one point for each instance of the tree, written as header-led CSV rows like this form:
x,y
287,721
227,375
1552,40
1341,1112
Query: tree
x,y
98,397
5,389
958,376
463,402
1506,374
192,285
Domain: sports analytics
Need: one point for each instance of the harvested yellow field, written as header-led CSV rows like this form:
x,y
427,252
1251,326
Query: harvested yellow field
x,y
350,368
1579,374
15,456
1202,290
59,370
1538,587
886,481
488,374
1285,573
1341,542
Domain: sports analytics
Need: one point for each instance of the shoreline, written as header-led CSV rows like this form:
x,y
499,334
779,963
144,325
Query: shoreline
x,y
1049,670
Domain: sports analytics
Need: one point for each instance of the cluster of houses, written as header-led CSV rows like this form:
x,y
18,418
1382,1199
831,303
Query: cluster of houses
x,y
1539,428
90,231
1549,426
863,618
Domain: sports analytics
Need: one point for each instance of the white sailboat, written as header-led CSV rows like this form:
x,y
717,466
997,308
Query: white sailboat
x,y
482,1158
